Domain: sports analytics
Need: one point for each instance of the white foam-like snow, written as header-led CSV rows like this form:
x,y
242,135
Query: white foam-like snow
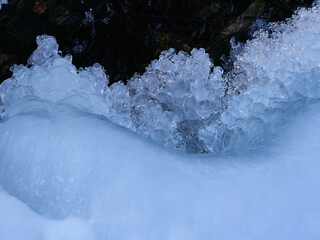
x,y
20,222
66,163
68,172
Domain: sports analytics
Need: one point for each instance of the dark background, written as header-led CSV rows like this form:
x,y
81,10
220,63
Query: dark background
x,y
127,34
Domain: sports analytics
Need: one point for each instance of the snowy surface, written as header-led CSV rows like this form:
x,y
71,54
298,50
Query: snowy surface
x,y
146,192
3,2
81,166
19,222
69,171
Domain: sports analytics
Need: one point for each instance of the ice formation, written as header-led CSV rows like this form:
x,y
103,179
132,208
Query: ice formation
x,y
3,2
182,101
172,100
68,172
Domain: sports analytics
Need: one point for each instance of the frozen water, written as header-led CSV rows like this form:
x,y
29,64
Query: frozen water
x,y
185,102
3,2
258,26
69,171
65,163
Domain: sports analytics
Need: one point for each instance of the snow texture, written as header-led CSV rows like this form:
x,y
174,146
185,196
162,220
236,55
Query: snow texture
x,y
69,171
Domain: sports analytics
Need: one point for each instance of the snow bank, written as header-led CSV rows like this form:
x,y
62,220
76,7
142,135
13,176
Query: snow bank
x,y
64,163
20,222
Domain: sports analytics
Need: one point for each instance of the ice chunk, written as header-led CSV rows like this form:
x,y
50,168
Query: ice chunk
x,y
278,67
52,77
47,49
186,86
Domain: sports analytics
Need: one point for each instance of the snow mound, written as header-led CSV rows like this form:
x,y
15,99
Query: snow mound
x,y
20,222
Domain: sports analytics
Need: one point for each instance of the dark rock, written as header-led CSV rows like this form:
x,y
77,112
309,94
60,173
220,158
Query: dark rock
x,y
125,35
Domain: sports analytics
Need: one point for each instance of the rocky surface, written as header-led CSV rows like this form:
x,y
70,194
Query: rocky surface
x,y
125,35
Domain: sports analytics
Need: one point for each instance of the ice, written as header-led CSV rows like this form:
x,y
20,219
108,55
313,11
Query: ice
x,y
52,78
181,97
260,25
47,49
183,86
71,169
272,71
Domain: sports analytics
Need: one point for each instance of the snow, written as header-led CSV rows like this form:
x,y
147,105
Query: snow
x,y
65,163
71,169
20,222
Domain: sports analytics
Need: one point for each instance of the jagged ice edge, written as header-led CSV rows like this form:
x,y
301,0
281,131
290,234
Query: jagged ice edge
x,y
182,100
